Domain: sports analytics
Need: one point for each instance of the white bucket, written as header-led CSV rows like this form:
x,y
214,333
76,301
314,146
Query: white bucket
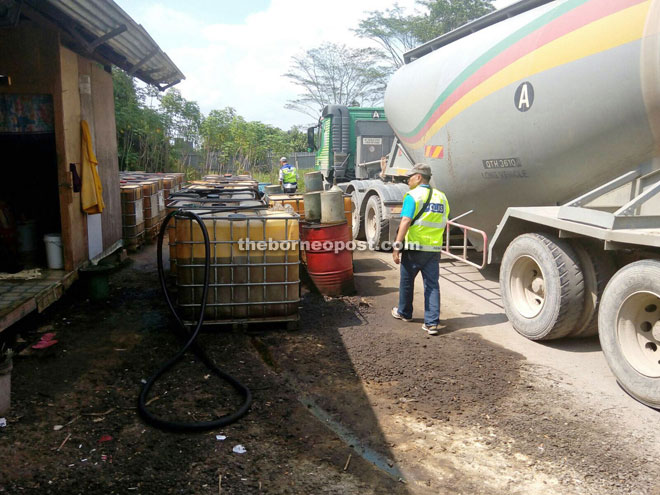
x,y
54,251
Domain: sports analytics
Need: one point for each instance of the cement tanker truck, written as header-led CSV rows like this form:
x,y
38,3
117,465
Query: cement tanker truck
x,y
543,120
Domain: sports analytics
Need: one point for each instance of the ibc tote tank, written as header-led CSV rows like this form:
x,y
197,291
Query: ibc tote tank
x,y
536,109
246,284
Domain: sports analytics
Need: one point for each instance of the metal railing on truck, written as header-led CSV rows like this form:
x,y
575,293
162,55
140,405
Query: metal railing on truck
x,y
465,245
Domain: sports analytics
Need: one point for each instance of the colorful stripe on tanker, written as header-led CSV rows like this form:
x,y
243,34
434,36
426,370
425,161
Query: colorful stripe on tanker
x,y
434,151
574,30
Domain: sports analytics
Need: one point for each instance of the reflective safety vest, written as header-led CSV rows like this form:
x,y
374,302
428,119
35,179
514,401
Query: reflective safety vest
x,y
289,174
427,232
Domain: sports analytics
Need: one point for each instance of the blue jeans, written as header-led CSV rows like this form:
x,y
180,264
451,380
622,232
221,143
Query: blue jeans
x,y
412,262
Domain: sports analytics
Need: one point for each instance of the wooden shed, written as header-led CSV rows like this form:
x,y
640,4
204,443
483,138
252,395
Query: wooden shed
x,y
55,72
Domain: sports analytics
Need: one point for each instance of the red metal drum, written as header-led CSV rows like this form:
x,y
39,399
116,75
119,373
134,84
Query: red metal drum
x,y
329,259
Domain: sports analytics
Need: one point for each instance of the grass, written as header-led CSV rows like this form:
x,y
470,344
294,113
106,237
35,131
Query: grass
x,y
273,178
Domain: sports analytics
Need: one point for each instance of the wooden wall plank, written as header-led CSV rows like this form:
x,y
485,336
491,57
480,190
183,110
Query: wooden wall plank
x,y
74,223
106,152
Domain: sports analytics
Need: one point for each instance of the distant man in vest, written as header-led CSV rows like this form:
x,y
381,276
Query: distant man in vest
x,y
288,176
423,220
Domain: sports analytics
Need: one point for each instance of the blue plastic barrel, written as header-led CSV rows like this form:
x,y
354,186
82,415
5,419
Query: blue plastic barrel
x,y
262,186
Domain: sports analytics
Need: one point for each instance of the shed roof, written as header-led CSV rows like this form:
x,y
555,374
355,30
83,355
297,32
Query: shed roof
x,y
102,30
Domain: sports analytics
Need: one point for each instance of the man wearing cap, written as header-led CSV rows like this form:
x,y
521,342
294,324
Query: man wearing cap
x,y
423,220
288,176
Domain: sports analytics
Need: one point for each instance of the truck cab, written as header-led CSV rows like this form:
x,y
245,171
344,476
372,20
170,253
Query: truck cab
x,y
350,141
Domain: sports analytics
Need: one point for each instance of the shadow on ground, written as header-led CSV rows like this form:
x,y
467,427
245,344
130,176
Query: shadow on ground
x,y
369,265
73,426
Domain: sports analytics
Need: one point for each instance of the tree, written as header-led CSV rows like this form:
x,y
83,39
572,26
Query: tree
x,y
216,136
127,115
184,116
337,74
398,33
296,140
228,140
157,132
392,30
184,120
142,141
446,15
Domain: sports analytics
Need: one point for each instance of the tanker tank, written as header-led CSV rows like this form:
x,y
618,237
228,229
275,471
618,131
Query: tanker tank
x,y
533,110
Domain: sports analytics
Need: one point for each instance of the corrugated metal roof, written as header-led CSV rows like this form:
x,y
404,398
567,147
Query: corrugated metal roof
x,y
101,26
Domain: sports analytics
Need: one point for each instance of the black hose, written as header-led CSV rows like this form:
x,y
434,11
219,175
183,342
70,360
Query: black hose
x,y
190,344
202,193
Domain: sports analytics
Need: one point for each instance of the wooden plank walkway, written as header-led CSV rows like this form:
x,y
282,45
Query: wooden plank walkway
x,y
18,298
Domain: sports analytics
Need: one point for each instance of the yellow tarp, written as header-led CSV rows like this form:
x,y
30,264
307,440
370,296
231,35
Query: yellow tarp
x,y
92,190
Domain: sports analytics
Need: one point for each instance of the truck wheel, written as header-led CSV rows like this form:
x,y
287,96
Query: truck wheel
x,y
358,223
629,329
597,268
542,286
376,228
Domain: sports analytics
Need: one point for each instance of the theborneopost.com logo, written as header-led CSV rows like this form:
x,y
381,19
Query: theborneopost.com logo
x,y
316,246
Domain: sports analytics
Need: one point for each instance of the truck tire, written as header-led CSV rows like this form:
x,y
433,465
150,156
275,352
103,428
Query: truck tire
x,y
376,228
542,286
358,223
597,269
629,329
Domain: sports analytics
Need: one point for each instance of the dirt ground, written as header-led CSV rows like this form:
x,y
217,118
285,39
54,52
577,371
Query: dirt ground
x,y
352,402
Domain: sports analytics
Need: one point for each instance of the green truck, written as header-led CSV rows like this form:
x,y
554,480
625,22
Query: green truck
x,y
353,147
350,141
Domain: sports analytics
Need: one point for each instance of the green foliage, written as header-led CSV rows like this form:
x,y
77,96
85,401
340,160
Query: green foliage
x,y
392,30
183,117
273,176
157,132
337,74
142,139
446,15
398,33
229,140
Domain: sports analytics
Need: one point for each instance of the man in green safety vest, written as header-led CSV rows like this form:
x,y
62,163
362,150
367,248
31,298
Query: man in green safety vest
x,y
423,220
288,176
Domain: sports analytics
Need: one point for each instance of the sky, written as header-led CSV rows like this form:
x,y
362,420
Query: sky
x,y
234,53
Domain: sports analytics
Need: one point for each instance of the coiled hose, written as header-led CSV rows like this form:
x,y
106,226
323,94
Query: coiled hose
x,y
182,331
